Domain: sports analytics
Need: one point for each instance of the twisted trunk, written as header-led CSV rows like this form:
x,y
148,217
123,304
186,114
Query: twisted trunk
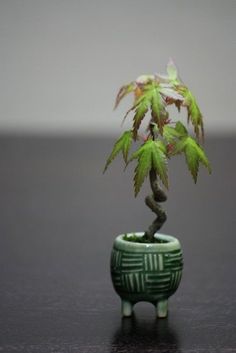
x,y
152,201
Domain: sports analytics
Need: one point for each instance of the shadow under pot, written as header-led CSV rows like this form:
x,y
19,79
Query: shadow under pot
x,y
146,272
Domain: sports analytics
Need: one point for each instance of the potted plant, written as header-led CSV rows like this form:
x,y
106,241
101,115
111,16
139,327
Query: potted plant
x,y
148,266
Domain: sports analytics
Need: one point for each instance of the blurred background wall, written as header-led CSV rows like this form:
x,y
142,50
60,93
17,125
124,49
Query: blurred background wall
x,y
62,61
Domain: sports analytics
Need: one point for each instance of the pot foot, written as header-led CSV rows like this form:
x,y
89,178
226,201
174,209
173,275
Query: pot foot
x,y
126,308
162,308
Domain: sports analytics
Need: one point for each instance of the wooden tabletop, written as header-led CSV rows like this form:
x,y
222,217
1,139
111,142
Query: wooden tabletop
x,y
58,219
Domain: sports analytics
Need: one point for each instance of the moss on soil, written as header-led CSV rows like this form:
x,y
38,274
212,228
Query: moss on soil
x,y
137,239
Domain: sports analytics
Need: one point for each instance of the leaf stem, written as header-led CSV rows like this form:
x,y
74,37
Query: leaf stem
x,y
152,130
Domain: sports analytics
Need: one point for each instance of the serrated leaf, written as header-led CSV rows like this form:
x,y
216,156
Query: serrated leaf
x,y
194,113
172,74
194,154
170,133
159,162
137,102
152,154
170,92
123,145
140,113
179,127
152,98
158,109
123,91
142,169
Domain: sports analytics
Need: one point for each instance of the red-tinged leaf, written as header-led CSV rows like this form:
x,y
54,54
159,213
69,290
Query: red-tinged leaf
x,y
140,113
178,104
170,93
158,110
137,102
194,113
124,90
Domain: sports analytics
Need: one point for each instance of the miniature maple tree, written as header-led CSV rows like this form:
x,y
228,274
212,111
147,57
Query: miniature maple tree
x,y
164,138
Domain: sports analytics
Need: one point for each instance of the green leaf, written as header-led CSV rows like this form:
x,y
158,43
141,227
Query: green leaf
x,y
142,169
150,98
124,90
152,154
158,111
172,74
140,113
136,104
194,154
170,133
194,113
123,145
159,162
181,129
172,71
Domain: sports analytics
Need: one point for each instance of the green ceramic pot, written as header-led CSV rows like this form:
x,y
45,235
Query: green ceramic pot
x,y
146,272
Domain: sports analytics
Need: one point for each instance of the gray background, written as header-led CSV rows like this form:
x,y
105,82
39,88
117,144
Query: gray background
x,y
62,62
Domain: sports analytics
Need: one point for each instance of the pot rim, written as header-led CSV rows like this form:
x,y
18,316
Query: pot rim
x,y
171,243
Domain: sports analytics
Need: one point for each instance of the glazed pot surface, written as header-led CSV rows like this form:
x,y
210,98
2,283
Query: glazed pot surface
x,y
144,271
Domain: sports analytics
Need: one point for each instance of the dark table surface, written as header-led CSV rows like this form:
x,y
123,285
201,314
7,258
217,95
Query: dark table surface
x,y
59,217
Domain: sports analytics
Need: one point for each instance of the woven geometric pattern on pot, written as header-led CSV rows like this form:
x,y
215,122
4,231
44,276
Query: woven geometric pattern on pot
x,y
152,273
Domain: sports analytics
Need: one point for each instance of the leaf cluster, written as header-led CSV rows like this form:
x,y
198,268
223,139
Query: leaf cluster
x,y
165,137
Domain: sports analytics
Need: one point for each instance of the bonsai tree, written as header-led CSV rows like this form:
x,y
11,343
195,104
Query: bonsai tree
x,y
165,137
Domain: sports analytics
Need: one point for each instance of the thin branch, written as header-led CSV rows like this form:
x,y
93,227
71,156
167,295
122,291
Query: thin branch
x,y
152,201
